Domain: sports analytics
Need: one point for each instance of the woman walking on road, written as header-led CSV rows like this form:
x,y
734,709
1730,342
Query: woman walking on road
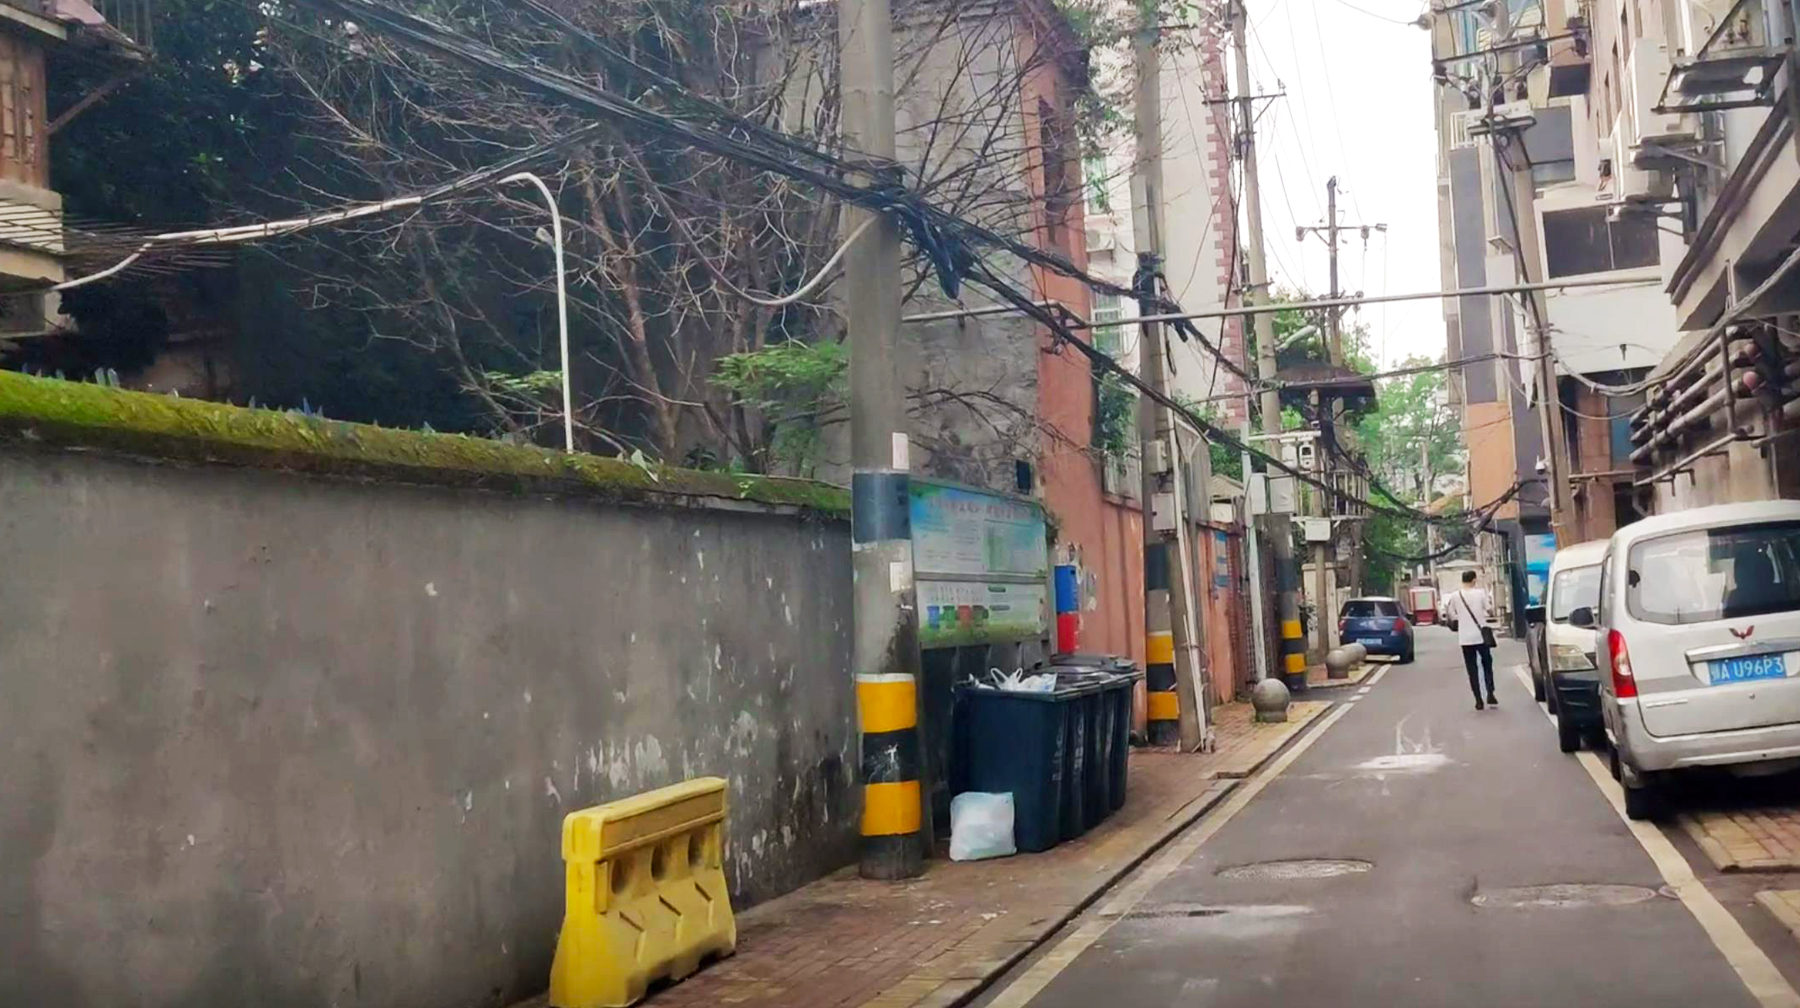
x,y
1472,609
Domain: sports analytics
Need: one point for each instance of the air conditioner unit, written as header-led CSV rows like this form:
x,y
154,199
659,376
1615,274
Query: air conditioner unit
x,y
1631,182
1646,74
1747,27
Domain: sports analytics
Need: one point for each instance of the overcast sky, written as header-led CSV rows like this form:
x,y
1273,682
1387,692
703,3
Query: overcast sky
x,y
1358,106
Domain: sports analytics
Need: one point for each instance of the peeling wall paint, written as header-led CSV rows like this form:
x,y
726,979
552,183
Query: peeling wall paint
x,y
266,728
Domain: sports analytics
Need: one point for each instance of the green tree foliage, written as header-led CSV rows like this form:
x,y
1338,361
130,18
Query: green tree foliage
x,y
1409,413
798,389
1412,429
1115,417
1412,443
209,132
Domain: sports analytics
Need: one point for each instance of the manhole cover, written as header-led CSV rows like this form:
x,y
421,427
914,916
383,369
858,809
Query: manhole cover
x,y
1305,868
1566,894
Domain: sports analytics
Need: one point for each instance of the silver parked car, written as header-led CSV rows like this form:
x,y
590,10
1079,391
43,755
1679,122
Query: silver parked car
x,y
1699,637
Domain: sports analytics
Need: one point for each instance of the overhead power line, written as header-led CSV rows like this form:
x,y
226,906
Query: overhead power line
x,y
946,239
241,233
1630,280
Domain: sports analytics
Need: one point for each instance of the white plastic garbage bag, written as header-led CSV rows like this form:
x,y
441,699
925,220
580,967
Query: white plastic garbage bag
x,y
1018,682
981,826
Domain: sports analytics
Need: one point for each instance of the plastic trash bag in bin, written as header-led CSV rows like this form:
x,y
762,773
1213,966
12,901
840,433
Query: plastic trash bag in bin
x,y
981,826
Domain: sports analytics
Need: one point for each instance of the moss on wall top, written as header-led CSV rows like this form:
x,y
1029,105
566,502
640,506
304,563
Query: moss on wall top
x,y
68,414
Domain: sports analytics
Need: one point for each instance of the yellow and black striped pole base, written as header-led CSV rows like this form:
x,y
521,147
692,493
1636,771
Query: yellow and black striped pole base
x,y
884,653
1162,707
1293,651
888,709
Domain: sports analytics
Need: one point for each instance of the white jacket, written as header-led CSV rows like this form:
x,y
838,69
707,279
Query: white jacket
x,y
1472,610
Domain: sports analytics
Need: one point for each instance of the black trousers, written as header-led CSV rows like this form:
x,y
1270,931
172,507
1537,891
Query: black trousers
x,y
1486,655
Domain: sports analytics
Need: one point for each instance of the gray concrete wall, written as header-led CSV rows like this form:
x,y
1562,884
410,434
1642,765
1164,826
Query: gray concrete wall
x,y
285,741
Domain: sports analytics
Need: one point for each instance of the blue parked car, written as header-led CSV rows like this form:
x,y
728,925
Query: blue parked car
x,y
1378,624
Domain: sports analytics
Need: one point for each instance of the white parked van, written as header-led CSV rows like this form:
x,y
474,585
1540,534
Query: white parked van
x,y
1699,619
1571,656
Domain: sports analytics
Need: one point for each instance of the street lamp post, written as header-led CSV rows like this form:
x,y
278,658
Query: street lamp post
x,y
562,299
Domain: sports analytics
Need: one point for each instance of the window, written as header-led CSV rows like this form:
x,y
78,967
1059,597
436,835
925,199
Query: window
x,y
1550,144
1365,608
1108,308
1059,194
1099,197
1582,240
1713,574
1572,590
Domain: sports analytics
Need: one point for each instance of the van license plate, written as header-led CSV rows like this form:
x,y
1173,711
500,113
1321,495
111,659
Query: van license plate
x,y
1732,670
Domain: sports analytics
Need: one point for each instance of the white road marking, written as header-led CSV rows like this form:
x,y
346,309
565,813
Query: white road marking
x,y
1038,976
1379,673
1364,691
1753,966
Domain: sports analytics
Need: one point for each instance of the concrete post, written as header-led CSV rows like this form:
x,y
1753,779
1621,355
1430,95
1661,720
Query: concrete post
x,y
885,647
1281,534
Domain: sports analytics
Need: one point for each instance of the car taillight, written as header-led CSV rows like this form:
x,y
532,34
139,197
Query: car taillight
x,y
1619,658
1342,624
1400,625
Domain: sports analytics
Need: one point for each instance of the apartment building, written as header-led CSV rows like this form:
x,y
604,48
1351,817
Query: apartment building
x,y
1722,165
1546,89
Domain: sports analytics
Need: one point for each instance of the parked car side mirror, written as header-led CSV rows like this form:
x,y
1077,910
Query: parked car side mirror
x,y
1582,617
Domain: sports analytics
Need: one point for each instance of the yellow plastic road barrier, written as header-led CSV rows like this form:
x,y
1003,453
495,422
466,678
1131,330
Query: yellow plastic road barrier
x,y
646,894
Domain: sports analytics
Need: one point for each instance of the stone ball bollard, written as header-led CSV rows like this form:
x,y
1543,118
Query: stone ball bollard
x,y
1339,662
1270,698
1359,653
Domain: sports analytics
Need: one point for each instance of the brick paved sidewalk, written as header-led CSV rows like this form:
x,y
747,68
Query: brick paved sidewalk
x,y
843,942
1785,905
1751,839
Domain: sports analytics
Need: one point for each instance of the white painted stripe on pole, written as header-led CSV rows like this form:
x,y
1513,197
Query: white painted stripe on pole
x,y
1753,966
1038,976
886,677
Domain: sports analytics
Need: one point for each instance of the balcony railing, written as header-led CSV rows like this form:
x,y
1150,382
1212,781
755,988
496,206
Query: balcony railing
x,y
133,19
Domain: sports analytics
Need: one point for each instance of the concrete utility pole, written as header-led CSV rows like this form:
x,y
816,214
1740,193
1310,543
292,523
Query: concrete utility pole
x,y
1326,410
1173,666
885,648
1550,418
1330,412
1281,532
1425,499
1524,219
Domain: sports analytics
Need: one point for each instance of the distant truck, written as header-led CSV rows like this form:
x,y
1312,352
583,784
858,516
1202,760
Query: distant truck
x,y
1424,605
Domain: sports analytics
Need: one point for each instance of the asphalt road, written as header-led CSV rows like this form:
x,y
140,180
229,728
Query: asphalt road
x,y
1446,812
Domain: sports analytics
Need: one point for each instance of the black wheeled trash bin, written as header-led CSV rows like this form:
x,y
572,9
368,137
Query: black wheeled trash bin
x,y
1119,677
1018,742
1097,717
